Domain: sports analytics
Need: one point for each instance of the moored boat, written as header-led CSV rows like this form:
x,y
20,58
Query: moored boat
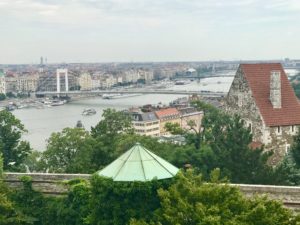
x,y
57,103
88,112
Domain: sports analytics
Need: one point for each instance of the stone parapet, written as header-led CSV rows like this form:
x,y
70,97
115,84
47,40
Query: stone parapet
x,y
54,184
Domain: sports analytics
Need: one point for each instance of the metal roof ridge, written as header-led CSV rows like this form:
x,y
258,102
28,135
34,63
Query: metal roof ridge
x,y
142,163
150,153
121,167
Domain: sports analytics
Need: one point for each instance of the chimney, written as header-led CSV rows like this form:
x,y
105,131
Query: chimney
x,y
275,89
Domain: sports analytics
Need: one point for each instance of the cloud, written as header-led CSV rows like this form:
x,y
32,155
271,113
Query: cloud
x,y
168,26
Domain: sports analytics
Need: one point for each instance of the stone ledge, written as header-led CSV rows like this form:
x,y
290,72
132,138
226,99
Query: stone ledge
x,y
53,184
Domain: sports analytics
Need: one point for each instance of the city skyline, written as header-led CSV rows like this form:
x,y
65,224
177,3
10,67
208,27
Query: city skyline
x,y
140,31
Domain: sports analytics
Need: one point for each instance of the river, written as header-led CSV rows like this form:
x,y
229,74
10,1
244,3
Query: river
x,y
40,123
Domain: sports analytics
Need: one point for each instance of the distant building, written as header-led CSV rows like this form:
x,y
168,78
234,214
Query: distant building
x,y
145,123
145,75
190,116
11,83
48,81
96,83
107,81
262,95
85,81
2,82
169,115
27,82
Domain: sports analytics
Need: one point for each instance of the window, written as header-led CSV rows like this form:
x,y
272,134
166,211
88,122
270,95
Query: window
x,y
287,148
293,129
278,130
250,127
240,100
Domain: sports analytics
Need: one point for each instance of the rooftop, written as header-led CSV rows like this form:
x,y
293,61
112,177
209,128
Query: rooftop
x,y
139,164
167,112
258,78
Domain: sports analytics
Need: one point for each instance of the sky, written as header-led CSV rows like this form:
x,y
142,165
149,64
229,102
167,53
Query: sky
x,y
148,30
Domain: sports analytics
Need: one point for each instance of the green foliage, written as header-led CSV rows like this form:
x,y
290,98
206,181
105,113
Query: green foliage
x,y
2,96
9,215
113,123
118,202
186,199
10,95
69,151
192,201
296,86
295,150
14,150
43,210
1,166
174,128
33,162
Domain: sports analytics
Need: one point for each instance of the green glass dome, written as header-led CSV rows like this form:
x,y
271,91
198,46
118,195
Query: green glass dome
x,y
139,164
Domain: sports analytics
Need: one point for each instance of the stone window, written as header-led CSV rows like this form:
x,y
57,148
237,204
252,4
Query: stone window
x,y
287,148
240,99
250,126
293,129
278,130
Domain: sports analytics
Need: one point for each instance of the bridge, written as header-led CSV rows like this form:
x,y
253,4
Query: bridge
x,y
129,92
54,184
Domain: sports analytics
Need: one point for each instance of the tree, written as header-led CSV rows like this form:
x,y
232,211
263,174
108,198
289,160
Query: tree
x,y
14,150
113,123
295,150
8,214
10,95
2,96
69,151
223,142
192,201
117,202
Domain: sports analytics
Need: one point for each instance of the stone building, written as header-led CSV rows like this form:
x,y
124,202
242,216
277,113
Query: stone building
x,y
2,82
262,95
145,123
190,115
27,82
10,83
85,81
169,115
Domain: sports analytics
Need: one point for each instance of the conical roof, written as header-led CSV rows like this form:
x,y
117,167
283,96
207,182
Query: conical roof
x,y
139,164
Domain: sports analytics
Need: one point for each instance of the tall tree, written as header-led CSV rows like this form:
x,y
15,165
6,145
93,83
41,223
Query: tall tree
x,y
14,150
113,123
69,151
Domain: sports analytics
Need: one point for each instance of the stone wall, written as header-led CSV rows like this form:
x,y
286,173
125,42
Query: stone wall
x,y
53,184
240,101
47,183
279,142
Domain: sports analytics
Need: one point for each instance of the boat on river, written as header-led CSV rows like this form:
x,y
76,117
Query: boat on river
x,y
89,112
57,103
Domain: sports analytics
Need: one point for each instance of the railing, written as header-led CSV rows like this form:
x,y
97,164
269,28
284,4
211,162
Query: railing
x,y
172,92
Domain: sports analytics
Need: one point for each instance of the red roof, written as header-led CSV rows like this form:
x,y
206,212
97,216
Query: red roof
x,y
167,112
255,144
258,77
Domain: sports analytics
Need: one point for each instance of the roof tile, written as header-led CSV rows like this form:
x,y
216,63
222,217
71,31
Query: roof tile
x,y
258,77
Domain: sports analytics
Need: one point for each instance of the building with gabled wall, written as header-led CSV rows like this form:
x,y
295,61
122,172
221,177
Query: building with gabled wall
x,y
168,115
190,116
262,95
